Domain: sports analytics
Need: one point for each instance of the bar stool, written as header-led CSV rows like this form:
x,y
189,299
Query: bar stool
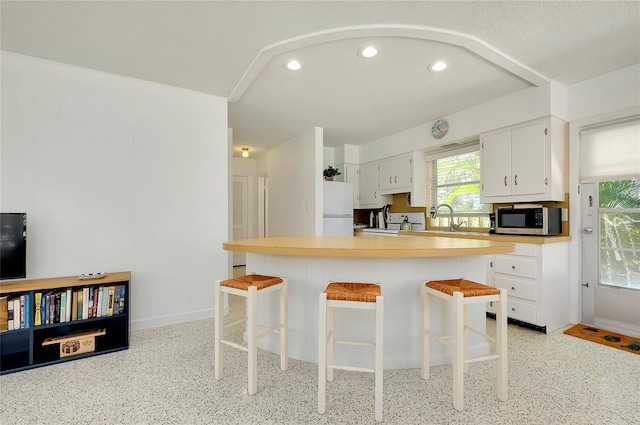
x,y
250,287
461,293
355,296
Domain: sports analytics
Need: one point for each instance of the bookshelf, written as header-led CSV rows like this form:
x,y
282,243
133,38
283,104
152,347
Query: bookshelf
x,y
69,330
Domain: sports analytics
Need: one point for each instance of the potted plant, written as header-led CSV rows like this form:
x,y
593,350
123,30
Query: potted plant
x,y
330,173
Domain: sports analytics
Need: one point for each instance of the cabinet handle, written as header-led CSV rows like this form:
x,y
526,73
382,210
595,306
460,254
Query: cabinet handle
x,y
375,194
395,179
513,289
515,180
513,267
513,309
389,179
505,181
491,264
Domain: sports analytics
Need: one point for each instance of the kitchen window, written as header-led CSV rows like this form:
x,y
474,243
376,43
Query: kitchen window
x,y
455,180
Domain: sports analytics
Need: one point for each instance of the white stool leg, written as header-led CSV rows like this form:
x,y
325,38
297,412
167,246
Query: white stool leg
x,y
252,338
330,338
219,315
501,347
458,350
426,339
465,337
322,353
284,325
379,357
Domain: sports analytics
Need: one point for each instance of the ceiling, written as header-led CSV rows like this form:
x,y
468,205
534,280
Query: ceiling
x,y
236,49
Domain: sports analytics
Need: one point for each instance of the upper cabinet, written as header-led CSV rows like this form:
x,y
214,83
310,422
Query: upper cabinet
x,y
405,173
370,196
523,163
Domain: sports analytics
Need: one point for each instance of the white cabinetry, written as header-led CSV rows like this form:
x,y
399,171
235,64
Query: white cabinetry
x,y
370,196
523,163
405,173
351,174
537,283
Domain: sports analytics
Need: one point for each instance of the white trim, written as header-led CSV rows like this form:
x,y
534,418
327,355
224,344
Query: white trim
x,y
470,147
615,326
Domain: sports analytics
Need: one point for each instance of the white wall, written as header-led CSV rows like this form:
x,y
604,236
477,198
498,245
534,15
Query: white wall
x,y
118,174
294,170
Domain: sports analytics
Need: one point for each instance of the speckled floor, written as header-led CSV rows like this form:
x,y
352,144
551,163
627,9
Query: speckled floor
x,y
166,377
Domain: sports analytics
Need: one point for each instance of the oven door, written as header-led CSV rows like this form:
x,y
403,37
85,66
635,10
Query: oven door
x,y
379,232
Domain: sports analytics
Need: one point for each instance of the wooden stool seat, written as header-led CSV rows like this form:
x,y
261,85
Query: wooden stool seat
x,y
350,291
257,280
250,287
349,295
466,287
460,293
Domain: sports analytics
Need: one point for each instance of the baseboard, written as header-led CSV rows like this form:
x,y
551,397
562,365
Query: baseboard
x,y
620,327
171,319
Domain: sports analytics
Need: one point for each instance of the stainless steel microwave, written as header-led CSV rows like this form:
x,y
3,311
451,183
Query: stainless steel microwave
x,y
528,220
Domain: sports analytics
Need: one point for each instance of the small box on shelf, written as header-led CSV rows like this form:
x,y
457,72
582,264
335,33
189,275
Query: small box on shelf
x,y
76,343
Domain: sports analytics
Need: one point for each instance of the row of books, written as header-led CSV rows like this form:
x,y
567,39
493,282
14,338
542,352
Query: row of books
x,y
15,312
60,306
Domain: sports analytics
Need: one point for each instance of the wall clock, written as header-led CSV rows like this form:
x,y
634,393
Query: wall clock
x,y
440,129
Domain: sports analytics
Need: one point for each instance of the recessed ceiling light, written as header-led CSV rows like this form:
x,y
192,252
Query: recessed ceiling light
x,y
294,65
438,66
368,52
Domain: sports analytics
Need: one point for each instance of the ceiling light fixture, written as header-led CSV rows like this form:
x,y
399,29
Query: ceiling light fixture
x,y
294,65
245,152
438,66
368,52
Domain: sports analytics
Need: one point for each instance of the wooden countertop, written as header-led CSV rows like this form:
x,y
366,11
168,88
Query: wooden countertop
x,y
23,285
489,236
371,247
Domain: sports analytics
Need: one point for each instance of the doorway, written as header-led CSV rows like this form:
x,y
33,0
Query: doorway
x,y
611,254
240,215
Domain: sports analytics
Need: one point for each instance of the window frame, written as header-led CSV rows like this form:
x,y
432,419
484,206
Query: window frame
x,y
480,220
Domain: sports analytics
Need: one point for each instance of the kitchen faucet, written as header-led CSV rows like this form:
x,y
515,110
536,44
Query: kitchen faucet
x,y
434,213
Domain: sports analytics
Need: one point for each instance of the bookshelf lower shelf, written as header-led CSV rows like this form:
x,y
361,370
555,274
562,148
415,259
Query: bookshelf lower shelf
x,y
47,334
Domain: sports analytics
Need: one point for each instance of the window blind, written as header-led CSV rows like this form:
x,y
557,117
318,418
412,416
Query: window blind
x,y
611,152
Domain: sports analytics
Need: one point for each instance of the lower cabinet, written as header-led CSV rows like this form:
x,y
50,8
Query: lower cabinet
x,y
537,282
61,319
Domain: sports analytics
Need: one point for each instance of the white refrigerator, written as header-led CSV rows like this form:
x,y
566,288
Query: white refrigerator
x,y
338,209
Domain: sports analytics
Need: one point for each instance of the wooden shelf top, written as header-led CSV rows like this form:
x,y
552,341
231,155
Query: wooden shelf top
x,y
23,285
372,247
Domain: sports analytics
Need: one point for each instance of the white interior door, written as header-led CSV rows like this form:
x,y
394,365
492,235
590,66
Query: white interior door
x,y
611,255
240,215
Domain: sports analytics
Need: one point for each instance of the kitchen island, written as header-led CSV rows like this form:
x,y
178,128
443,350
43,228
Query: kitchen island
x,y
399,264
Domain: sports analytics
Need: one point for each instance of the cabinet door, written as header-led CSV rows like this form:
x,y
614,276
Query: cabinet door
x,y
495,165
402,171
368,184
385,175
528,160
352,175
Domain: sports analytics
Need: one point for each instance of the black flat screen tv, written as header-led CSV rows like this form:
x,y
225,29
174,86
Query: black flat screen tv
x,y
13,245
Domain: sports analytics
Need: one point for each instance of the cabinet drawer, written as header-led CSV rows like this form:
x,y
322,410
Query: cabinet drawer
x,y
520,288
521,311
516,266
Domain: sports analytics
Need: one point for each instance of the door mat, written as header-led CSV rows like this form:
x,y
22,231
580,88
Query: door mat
x,y
601,336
